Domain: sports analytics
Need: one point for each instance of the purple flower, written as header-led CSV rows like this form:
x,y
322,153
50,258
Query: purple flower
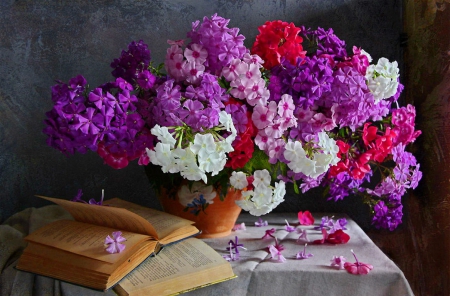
x,y
288,227
303,254
235,245
338,261
114,243
261,223
276,254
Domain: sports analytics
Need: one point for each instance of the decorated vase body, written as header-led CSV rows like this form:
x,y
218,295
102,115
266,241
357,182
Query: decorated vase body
x,y
213,216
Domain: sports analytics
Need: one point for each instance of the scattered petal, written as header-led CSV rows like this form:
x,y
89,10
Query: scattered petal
x,y
235,245
305,218
338,237
269,233
288,227
261,223
239,227
114,244
276,254
324,237
338,261
303,235
303,255
357,267
232,256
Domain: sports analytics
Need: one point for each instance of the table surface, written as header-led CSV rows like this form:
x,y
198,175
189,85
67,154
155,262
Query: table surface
x,y
258,273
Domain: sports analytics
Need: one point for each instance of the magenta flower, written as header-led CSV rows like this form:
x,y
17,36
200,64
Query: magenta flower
x,y
269,232
114,243
305,218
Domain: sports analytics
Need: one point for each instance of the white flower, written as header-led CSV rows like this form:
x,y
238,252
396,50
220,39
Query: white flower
x,y
210,162
238,180
183,157
307,166
262,177
187,195
327,144
193,172
226,120
294,151
224,146
369,57
382,79
162,155
279,192
263,199
163,135
203,144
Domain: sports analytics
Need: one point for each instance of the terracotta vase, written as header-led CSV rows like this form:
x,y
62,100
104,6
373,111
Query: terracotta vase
x,y
212,216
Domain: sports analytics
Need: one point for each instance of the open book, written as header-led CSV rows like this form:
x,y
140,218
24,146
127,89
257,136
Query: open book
x,y
74,251
178,268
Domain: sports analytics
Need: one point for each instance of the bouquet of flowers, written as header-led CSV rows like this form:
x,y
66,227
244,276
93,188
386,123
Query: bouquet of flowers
x,y
219,113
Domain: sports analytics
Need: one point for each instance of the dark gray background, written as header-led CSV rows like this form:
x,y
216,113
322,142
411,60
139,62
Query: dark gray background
x,y
41,41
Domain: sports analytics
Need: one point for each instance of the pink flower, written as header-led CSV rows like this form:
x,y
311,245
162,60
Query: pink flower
x,y
288,227
240,227
303,235
276,254
357,267
305,218
196,54
303,255
263,116
338,261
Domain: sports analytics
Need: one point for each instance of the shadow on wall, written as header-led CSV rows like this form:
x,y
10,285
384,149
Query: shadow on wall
x,y
44,41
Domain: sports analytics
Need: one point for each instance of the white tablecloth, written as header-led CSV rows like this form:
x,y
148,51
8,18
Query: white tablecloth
x,y
257,273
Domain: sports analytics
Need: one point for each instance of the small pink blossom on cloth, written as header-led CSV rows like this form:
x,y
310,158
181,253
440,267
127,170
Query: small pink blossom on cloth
x,y
305,218
261,223
269,233
239,227
276,254
303,235
338,261
288,227
303,255
357,267
114,244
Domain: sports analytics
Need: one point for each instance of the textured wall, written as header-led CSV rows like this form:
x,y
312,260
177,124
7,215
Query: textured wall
x,y
41,41
421,248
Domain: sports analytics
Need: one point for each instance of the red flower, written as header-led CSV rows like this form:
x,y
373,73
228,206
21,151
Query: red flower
x,y
305,218
369,133
278,39
337,237
115,160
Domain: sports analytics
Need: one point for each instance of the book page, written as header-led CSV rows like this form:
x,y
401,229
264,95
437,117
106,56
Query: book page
x,y
163,223
178,266
113,217
83,239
